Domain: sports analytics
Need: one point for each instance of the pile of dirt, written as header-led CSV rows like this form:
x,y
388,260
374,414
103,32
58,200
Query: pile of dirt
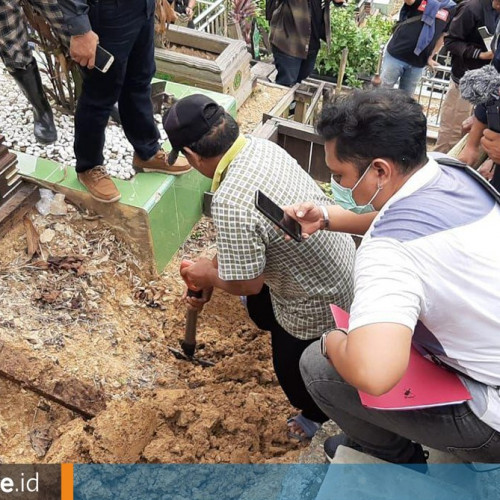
x,y
81,304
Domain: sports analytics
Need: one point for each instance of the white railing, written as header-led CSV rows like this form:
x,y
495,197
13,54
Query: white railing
x,y
210,16
431,92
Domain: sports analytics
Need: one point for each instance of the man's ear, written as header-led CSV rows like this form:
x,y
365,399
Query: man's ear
x,y
384,169
192,157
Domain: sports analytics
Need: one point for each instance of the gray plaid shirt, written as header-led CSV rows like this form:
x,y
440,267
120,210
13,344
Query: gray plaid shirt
x,y
304,278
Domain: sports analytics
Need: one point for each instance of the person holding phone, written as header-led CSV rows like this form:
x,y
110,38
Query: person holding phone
x,y
426,275
125,29
289,286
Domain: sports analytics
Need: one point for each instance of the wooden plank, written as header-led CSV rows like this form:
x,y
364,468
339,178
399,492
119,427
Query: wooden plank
x,y
298,130
300,150
50,381
267,130
300,111
284,103
318,169
16,207
314,103
262,70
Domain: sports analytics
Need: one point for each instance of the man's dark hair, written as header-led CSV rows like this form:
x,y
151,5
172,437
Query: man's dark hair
x,y
381,123
218,139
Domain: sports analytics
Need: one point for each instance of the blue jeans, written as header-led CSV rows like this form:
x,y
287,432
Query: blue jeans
x,y
126,30
292,70
388,434
394,69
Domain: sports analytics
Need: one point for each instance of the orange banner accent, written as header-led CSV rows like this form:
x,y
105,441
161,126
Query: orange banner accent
x,y
66,481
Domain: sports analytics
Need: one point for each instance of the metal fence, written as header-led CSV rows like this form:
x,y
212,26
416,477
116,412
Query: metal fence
x,y
431,91
211,16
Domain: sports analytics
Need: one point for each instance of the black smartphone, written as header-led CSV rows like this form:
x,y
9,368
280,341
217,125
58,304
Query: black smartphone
x,y
275,214
103,59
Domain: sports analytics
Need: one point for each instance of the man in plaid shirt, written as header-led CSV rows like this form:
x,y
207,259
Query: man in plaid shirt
x,y
18,58
297,26
289,285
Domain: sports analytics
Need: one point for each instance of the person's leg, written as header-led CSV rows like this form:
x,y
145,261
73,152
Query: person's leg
x,y
307,66
288,68
389,434
18,59
410,78
118,25
135,105
454,111
392,70
287,351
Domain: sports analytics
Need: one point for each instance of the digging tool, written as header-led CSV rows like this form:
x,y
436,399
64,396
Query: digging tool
x,y
188,344
376,80
342,67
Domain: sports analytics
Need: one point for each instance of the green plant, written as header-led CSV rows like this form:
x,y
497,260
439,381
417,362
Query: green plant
x,y
242,13
363,43
260,16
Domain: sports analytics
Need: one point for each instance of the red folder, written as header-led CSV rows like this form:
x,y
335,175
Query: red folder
x,y
424,384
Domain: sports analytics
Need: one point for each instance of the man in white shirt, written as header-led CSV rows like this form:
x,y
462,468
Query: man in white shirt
x,y
427,273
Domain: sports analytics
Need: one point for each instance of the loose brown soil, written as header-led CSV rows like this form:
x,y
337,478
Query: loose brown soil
x,y
91,313
189,51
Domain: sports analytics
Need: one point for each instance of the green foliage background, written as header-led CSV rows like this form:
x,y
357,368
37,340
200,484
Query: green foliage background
x,y
363,44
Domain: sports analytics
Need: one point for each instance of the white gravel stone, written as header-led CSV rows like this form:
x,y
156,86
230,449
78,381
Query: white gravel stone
x,y
16,123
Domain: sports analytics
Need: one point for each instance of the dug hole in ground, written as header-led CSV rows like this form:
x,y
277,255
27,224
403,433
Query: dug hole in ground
x,y
91,313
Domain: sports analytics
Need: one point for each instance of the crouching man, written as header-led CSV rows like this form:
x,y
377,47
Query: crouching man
x,y
290,285
427,273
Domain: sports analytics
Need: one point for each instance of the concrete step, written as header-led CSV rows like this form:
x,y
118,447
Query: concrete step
x,y
355,475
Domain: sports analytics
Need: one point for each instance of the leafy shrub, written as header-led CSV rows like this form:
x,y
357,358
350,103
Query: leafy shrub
x,y
363,44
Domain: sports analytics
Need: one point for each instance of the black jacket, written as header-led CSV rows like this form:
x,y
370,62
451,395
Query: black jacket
x,y
76,14
463,39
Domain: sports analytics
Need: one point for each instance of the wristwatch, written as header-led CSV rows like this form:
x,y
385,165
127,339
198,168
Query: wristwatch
x,y
326,219
322,341
322,344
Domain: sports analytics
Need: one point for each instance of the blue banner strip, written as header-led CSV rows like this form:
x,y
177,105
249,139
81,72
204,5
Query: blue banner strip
x,y
284,482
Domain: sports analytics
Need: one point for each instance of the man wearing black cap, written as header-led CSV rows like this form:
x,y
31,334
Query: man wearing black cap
x,y
289,285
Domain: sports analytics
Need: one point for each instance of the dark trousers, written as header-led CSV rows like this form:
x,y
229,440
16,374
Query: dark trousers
x,y
287,351
388,434
292,70
126,30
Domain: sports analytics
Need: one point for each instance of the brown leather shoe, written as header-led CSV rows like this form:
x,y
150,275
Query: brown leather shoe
x,y
159,163
99,184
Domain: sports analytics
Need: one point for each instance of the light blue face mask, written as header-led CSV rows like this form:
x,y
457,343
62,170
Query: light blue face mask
x,y
343,196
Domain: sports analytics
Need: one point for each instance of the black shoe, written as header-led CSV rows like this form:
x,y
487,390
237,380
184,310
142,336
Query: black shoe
x,y
332,443
417,461
30,83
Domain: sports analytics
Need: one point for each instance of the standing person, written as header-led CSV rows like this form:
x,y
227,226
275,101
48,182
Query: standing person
x,y
289,286
185,12
417,38
20,63
126,30
426,274
297,27
468,51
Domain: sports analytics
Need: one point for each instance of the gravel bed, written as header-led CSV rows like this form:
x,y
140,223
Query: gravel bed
x,y
16,123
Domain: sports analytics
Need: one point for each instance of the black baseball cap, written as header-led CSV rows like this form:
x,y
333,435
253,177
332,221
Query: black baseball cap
x,y
188,120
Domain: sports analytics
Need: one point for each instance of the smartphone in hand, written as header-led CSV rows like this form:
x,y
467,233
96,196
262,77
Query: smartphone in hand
x,y
276,214
103,59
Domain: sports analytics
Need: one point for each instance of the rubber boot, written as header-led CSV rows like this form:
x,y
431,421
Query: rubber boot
x,y
31,85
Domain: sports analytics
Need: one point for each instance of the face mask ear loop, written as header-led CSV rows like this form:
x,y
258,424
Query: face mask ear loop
x,y
361,178
379,188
